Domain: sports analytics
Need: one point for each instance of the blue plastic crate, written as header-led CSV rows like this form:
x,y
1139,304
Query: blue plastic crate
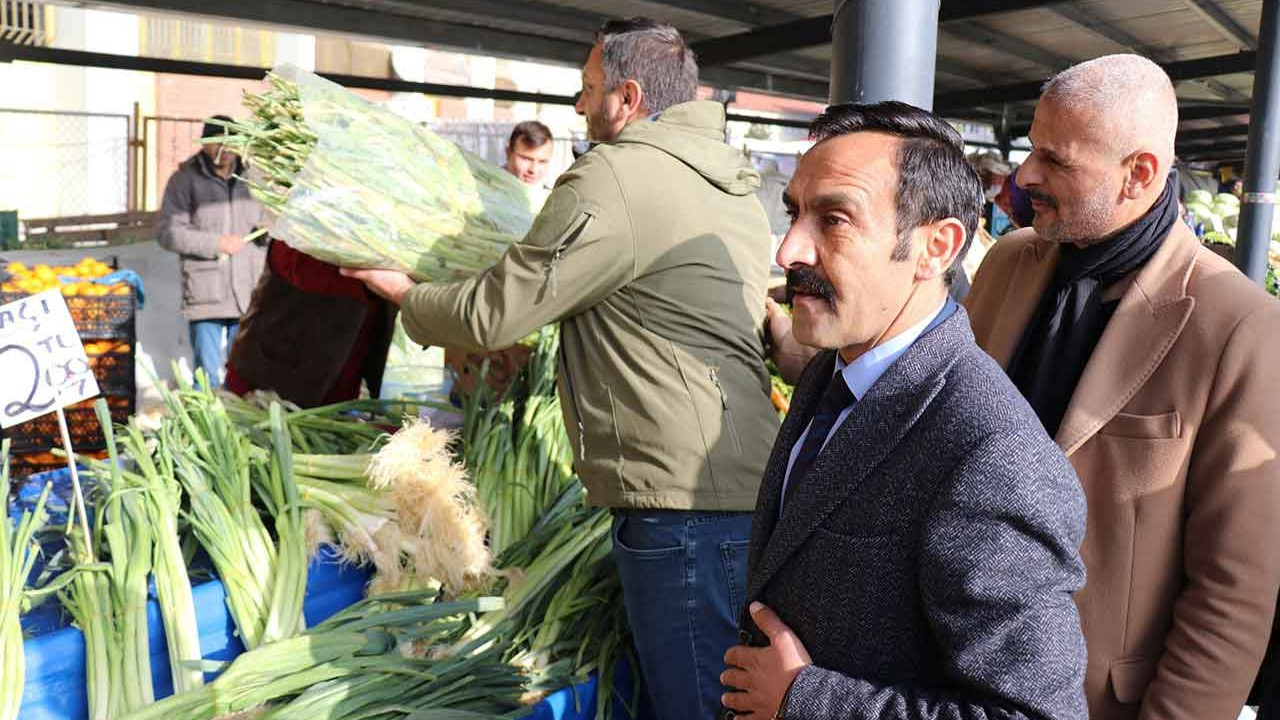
x,y
54,687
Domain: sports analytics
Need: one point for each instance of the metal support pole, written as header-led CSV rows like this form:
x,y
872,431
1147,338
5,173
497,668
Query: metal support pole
x,y
1253,237
884,50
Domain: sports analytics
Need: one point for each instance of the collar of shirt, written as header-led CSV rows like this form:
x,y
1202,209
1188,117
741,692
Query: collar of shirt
x,y
860,375
863,372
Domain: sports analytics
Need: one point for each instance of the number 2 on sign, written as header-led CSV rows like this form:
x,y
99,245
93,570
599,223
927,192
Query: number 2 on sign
x,y
21,407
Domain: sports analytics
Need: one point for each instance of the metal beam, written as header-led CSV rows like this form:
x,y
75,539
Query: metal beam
x,y
979,34
813,31
1217,149
185,67
1181,70
493,13
1224,23
359,22
727,77
746,13
1101,27
1211,112
1216,133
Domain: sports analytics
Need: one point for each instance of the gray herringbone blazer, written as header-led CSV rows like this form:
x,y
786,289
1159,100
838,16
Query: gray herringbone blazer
x,y
928,559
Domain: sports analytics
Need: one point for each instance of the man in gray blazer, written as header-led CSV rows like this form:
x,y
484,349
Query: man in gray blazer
x,y
916,539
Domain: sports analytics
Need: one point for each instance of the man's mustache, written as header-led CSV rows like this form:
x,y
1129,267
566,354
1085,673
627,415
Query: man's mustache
x,y
1042,198
807,281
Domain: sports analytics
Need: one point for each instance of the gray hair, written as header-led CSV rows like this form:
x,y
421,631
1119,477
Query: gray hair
x,y
1130,98
654,55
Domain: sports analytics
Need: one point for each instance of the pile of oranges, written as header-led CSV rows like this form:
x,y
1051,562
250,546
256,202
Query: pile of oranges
x,y
71,280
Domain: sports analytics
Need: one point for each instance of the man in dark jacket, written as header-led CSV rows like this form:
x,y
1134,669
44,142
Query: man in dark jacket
x,y
204,217
916,541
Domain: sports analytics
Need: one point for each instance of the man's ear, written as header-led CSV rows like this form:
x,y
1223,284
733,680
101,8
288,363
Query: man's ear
x,y
943,241
1144,171
633,99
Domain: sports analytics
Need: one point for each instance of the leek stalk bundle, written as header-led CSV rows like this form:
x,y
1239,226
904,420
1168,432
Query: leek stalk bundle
x,y
358,186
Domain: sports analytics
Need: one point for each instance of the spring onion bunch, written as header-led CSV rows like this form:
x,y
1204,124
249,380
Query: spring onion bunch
x,y
18,551
408,509
516,445
356,185
372,660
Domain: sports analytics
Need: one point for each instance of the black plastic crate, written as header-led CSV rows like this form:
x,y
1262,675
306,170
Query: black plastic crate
x,y
23,465
114,370
97,316
42,434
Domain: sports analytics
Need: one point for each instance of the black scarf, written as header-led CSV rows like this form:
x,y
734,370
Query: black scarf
x,y
1071,316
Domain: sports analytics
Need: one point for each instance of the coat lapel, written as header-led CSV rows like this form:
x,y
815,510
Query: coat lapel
x,y
1148,320
804,403
1030,279
875,427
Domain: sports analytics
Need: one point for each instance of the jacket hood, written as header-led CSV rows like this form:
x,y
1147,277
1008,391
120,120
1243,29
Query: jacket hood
x,y
693,133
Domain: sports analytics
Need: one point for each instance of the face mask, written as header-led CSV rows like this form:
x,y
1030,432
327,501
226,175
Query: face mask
x,y
991,192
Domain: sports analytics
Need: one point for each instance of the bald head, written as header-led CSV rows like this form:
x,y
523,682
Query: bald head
x,y
1127,101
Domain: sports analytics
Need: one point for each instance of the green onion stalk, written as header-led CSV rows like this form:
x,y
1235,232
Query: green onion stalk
x,y
356,185
212,460
18,552
371,660
280,492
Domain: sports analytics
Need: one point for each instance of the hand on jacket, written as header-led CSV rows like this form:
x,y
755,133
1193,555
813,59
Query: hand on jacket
x,y
763,676
230,244
388,284
787,353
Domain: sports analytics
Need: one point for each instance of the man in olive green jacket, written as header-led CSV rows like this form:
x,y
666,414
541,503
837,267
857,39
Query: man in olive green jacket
x,y
653,254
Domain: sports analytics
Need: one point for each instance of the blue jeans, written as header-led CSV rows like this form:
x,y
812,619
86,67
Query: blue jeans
x,y
210,343
684,582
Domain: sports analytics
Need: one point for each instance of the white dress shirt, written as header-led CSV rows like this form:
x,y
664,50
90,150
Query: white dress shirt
x,y
860,375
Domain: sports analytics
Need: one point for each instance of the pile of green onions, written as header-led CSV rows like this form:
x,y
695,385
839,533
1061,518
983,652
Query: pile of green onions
x,y
356,185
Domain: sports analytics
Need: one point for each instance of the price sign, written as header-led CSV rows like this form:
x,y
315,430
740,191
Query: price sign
x,y
43,367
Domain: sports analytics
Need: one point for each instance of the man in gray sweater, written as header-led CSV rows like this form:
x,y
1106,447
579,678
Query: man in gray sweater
x,y
204,217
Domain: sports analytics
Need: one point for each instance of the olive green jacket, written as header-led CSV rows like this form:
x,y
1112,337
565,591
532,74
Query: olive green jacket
x,y
653,254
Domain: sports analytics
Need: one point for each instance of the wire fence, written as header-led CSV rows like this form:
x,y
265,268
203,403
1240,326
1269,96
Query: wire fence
x,y
62,164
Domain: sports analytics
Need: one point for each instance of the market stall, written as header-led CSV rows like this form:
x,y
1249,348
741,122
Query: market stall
x,y
245,557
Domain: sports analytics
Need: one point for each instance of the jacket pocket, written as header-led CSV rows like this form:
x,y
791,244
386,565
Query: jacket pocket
x,y
1164,426
1130,678
729,426
576,228
203,282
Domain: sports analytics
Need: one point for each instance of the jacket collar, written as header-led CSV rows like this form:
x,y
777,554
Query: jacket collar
x,y
1149,318
873,429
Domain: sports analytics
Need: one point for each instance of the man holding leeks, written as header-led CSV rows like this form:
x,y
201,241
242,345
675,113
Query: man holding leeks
x,y
652,253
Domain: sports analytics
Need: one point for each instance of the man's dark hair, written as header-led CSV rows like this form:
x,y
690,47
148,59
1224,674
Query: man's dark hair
x,y
654,55
530,133
935,181
216,129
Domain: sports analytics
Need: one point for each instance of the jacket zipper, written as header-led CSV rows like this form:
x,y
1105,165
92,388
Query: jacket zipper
x,y
714,372
577,411
552,277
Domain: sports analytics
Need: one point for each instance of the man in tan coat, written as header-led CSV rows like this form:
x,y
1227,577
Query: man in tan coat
x,y
1154,364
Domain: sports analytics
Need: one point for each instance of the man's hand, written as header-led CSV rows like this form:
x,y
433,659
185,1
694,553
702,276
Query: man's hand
x,y
389,284
230,244
762,676
787,353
